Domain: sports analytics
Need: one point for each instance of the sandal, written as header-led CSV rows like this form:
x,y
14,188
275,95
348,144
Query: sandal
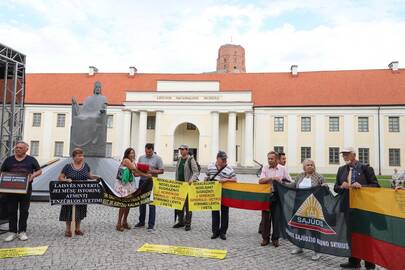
x,y
79,232
119,228
68,233
126,226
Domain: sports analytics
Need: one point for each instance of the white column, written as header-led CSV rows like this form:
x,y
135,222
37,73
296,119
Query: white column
x,y
248,142
125,133
320,140
142,132
292,141
158,133
231,151
214,134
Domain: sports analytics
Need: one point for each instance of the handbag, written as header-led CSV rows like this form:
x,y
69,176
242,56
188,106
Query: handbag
x,y
125,175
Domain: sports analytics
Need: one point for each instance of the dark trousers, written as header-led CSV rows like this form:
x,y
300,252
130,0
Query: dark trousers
x,y
184,212
17,202
269,218
142,212
357,261
220,220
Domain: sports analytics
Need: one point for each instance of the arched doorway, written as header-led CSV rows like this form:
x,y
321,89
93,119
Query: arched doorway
x,y
186,133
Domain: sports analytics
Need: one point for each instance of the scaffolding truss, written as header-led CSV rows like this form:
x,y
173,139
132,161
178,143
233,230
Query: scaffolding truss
x,y
12,90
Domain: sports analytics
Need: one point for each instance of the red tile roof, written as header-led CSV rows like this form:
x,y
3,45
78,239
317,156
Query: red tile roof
x,y
321,88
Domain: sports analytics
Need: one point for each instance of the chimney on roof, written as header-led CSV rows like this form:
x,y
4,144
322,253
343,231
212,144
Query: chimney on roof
x,y
394,66
92,70
294,70
132,71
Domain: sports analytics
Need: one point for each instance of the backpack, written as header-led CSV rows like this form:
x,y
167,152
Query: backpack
x,y
198,164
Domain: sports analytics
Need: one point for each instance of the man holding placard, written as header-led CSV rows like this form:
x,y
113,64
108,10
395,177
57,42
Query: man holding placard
x,y
20,164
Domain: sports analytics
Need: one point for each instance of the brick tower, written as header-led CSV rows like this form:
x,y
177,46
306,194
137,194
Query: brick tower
x,y
231,58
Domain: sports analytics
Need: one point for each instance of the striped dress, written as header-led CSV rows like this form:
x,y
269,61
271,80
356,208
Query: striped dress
x,y
81,174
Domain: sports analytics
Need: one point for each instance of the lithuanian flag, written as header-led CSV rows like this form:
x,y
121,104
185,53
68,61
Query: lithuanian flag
x,y
246,196
377,219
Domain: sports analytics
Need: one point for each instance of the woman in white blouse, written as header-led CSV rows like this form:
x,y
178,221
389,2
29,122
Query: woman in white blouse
x,y
307,179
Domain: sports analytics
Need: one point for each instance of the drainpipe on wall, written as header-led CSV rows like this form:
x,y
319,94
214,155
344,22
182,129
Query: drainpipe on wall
x,y
379,142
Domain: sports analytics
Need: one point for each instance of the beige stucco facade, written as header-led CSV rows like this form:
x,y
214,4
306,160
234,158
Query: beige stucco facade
x,y
229,121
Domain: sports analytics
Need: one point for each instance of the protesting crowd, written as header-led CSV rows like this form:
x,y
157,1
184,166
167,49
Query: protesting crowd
x,y
352,175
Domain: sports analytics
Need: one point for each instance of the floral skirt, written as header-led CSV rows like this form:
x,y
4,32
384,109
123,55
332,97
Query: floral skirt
x,y
124,189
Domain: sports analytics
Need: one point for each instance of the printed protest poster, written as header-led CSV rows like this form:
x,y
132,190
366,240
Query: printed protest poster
x,y
184,251
22,252
169,193
75,193
205,196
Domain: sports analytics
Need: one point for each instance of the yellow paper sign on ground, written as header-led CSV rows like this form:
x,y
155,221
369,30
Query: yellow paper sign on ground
x,y
205,196
184,251
169,193
22,252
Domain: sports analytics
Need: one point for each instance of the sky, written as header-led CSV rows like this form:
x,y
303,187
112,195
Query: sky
x,y
183,36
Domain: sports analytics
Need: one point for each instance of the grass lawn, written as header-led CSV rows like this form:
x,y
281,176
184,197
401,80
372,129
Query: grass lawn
x,y
383,180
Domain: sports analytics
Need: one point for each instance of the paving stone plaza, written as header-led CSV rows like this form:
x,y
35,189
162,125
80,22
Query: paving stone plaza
x,y
102,247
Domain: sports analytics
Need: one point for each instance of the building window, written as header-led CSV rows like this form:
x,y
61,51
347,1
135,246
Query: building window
x,y
36,120
60,120
191,126
333,124
279,149
237,122
108,150
393,124
34,148
151,122
279,124
394,157
306,124
110,119
333,155
58,149
363,124
305,153
364,155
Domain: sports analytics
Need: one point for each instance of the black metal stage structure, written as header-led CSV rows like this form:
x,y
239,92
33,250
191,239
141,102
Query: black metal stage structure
x,y
12,89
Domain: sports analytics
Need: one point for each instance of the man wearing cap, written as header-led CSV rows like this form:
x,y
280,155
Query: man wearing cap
x,y
186,170
222,172
356,175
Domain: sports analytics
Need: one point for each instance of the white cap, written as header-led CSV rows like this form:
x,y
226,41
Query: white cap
x,y
348,150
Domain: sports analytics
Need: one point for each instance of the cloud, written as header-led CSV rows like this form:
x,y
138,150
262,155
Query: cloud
x,y
68,36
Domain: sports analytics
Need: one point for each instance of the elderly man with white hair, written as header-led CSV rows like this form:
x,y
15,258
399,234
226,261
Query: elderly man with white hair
x,y
20,163
356,175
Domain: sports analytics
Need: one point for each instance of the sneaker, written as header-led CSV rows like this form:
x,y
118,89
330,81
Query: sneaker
x,y
151,229
187,228
222,236
296,251
316,256
350,265
139,225
23,236
10,237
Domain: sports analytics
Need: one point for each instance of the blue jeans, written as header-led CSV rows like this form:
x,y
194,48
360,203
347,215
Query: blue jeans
x,y
142,212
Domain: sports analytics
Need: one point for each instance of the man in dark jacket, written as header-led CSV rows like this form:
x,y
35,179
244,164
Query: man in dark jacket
x,y
356,175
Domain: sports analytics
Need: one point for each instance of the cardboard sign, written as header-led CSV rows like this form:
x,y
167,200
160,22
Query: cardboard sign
x,y
14,183
184,251
75,193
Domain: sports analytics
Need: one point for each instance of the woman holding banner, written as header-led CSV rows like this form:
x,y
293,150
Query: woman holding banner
x,y
123,184
78,170
307,179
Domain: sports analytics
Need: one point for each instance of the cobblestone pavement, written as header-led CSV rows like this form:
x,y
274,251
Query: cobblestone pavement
x,y
102,247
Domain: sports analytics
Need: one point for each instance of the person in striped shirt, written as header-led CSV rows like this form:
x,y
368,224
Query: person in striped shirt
x,y
220,171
